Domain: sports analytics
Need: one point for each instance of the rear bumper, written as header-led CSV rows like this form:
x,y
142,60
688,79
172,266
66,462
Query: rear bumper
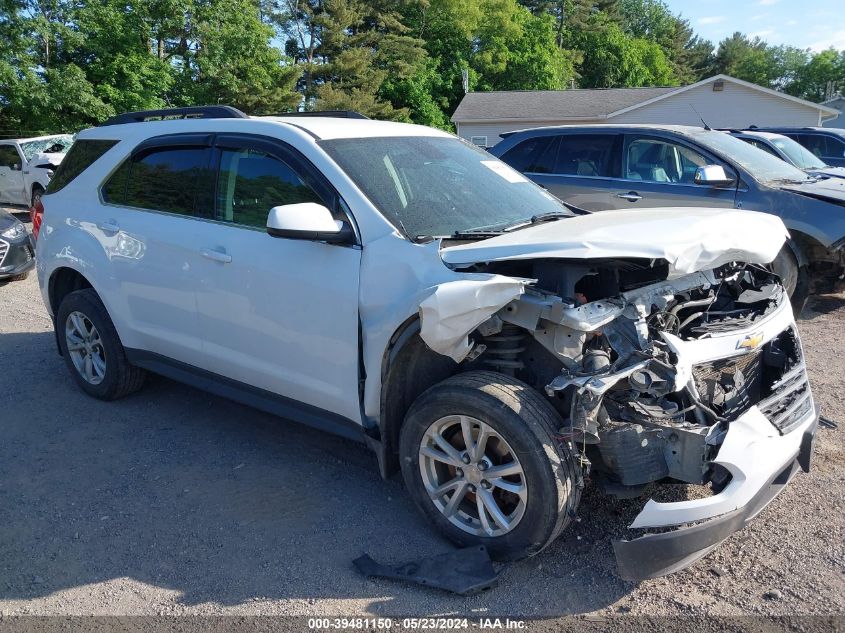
x,y
761,462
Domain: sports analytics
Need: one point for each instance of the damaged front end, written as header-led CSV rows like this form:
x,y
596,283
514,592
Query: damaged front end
x,y
697,379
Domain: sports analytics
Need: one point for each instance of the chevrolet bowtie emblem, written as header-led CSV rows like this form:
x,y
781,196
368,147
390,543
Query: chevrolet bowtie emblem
x,y
750,342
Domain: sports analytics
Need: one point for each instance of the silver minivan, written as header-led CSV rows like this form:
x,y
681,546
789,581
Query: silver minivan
x,y
600,167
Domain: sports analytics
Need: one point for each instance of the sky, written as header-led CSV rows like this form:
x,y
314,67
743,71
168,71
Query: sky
x,y
814,24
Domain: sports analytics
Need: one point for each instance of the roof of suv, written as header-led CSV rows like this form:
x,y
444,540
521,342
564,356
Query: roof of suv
x,y
838,131
321,128
681,129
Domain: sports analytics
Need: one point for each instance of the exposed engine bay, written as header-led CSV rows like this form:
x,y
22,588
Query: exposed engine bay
x,y
605,340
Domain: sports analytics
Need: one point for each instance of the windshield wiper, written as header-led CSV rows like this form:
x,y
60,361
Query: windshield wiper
x,y
492,230
537,219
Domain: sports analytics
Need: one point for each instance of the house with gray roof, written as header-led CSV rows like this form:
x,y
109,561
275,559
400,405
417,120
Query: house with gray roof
x,y
721,101
837,102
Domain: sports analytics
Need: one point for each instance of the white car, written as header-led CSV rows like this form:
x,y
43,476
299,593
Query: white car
x,y
26,166
402,288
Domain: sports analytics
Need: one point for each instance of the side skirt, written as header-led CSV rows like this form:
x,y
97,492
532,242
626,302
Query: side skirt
x,y
246,394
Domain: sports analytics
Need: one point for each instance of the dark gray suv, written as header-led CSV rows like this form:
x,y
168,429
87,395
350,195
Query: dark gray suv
x,y
599,167
827,143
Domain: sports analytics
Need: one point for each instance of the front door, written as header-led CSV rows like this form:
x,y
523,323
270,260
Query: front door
x,y
659,172
12,190
280,315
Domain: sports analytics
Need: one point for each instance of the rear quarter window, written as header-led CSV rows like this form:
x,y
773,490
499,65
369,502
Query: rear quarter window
x,y
82,154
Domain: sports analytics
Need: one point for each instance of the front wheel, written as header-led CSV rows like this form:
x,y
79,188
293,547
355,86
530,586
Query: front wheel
x,y
37,192
793,277
481,461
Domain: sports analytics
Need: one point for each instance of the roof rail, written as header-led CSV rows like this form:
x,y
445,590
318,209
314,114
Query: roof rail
x,y
190,112
341,114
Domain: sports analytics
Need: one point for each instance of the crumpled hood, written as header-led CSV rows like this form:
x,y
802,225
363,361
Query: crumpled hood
x,y
688,238
832,189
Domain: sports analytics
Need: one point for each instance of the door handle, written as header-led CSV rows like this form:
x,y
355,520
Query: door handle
x,y
109,226
631,196
217,256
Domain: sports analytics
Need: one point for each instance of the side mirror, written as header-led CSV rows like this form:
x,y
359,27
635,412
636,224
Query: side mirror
x,y
712,176
307,221
16,167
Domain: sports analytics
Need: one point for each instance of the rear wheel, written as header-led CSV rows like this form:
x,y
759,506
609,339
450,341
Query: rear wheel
x,y
92,349
481,462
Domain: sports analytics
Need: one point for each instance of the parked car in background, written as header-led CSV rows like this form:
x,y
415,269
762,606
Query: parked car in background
x,y
791,151
17,250
600,167
826,143
26,166
407,290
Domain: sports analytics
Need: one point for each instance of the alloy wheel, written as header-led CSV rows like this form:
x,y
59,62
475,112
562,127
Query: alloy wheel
x,y
473,476
85,348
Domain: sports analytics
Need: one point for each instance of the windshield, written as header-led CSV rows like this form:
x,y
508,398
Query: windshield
x,y
436,186
760,164
53,144
797,153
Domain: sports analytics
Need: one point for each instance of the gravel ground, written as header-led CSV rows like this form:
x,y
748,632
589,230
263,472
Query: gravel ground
x,y
176,502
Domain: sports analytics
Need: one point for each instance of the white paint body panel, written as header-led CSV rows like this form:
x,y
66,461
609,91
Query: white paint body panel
x,y
754,452
690,239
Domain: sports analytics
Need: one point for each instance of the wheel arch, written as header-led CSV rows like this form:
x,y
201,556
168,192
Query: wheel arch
x,y
409,367
62,282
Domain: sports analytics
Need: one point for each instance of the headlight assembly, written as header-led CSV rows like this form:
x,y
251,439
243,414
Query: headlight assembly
x,y
15,231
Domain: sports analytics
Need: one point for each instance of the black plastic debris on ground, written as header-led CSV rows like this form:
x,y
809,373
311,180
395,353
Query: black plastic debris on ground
x,y
464,571
828,423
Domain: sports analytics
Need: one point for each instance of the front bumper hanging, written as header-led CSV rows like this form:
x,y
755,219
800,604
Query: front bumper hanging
x,y
761,462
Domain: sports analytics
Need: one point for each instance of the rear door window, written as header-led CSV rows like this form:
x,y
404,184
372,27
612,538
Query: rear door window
x,y
587,155
82,154
166,179
534,155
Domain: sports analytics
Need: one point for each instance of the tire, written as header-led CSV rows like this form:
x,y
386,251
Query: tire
x,y
794,278
37,192
113,376
20,277
527,424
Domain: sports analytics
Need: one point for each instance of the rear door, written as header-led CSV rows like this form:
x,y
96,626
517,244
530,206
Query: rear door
x,y
578,168
660,172
12,190
155,215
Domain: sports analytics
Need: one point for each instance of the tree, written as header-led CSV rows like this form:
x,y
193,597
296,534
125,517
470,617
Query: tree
x,y
820,76
349,49
611,58
231,60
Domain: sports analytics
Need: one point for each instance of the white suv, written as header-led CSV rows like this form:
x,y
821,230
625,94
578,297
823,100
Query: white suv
x,y
398,286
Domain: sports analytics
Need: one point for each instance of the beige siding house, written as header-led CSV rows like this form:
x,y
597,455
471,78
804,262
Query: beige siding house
x,y
722,101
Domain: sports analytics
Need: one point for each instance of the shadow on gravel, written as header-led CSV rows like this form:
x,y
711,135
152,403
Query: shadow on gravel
x,y
224,505
821,305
